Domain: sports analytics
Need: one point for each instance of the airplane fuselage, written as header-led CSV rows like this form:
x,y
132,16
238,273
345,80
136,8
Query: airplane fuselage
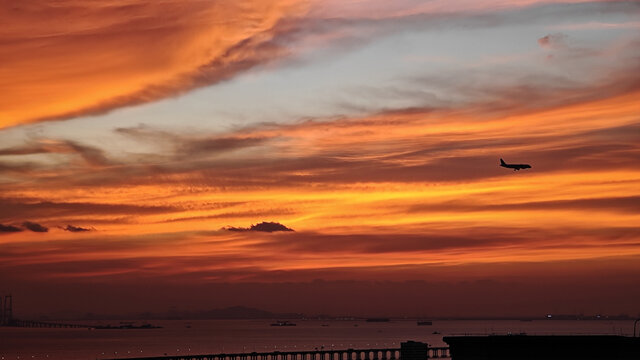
x,y
515,167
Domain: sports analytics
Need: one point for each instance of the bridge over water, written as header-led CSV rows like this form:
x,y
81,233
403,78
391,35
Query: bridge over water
x,y
409,350
7,319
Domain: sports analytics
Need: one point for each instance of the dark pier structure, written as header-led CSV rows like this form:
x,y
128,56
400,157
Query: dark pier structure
x,y
409,350
553,347
46,324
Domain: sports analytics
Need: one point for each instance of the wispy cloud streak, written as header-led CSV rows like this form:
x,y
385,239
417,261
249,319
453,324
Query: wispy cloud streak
x,y
88,58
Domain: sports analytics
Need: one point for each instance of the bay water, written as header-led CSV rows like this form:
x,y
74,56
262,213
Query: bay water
x,y
177,337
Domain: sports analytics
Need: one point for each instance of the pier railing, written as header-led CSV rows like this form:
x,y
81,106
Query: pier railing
x,y
348,354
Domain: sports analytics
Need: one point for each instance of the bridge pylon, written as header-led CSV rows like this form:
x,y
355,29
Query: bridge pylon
x,y
7,310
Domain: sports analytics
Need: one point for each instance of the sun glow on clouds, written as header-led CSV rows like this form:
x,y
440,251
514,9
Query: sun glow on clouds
x,y
399,189
393,194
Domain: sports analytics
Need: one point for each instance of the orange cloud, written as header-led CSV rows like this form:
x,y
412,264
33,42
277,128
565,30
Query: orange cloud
x,y
73,57
428,179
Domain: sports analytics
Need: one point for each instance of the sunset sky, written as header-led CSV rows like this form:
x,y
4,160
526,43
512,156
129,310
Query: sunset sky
x,y
141,139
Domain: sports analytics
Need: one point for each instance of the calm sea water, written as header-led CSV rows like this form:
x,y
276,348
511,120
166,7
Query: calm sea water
x,y
217,336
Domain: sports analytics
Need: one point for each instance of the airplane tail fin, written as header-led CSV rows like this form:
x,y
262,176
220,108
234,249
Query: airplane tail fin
x,y
502,162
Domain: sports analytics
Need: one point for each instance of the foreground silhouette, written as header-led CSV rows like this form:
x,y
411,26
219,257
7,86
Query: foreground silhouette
x,y
514,166
548,347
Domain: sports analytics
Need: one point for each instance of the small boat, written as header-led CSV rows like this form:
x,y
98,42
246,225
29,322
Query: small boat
x,y
424,322
283,323
378,320
436,332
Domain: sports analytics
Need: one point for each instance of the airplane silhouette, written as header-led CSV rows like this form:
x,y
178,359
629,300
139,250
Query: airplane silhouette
x,y
514,166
